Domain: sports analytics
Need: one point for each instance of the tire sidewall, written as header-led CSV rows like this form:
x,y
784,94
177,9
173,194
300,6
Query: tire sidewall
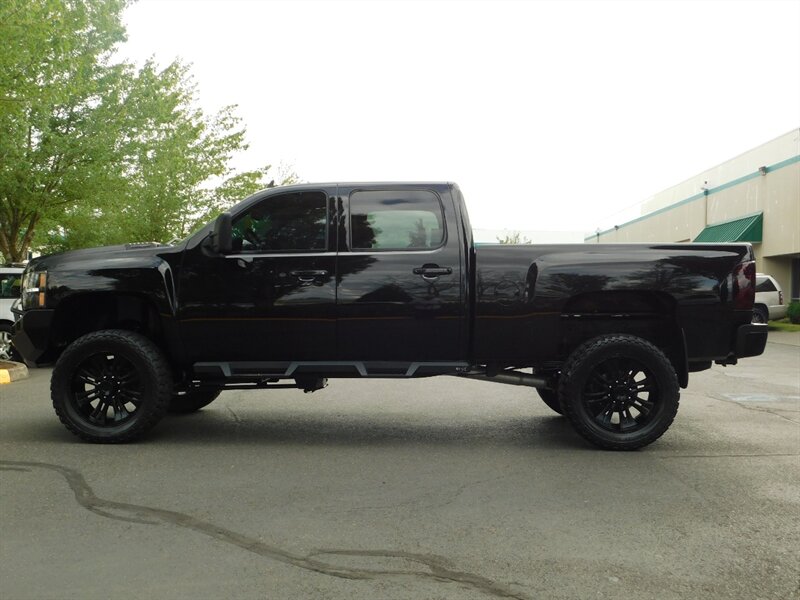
x,y
133,348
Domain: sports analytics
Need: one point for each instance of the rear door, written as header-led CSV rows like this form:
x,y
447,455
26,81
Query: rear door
x,y
401,289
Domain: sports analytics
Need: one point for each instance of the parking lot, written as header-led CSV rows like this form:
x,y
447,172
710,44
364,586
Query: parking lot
x,y
439,488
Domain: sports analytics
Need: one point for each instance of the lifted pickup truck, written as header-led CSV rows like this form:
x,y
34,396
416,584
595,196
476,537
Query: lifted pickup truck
x,y
299,284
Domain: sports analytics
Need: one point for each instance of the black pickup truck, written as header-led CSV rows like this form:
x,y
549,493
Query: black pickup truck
x,y
299,284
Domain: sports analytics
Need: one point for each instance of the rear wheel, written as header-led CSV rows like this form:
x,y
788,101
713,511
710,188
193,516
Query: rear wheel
x,y
550,397
619,391
193,399
111,386
760,314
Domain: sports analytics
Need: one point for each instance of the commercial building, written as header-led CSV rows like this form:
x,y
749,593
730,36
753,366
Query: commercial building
x,y
754,197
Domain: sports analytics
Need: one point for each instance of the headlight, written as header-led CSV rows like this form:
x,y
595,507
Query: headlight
x,y
34,289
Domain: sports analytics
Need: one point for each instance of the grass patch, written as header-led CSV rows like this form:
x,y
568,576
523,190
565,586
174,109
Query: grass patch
x,y
783,325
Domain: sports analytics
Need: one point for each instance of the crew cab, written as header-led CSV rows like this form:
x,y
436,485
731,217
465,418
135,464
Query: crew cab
x,y
299,284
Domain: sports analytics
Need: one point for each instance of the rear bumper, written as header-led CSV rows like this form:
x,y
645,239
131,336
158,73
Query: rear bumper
x,y
31,334
750,340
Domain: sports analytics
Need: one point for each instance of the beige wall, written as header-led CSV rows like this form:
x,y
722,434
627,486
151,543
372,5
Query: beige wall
x,y
771,152
781,269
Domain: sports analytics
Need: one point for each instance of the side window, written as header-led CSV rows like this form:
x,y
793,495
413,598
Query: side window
x,y
9,285
288,222
765,285
399,220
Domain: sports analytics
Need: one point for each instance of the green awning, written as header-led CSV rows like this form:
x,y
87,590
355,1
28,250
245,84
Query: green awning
x,y
746,229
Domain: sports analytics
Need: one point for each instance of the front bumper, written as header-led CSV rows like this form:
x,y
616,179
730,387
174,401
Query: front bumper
x,y
751,340
31,334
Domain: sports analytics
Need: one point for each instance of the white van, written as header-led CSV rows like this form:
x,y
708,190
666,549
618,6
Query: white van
x,y
769,303
9,291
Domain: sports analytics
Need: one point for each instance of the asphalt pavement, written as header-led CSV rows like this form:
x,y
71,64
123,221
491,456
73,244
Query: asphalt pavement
x,y
438,488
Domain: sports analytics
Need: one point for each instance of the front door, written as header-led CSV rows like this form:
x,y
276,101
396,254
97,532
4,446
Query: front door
x,y
273,297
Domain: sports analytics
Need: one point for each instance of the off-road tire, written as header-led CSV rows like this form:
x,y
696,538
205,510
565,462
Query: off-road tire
x,y
760,315
141,373
550,397
581,390
192,400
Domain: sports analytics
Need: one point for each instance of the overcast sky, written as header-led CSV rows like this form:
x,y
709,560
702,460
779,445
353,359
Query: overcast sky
x,y
550,115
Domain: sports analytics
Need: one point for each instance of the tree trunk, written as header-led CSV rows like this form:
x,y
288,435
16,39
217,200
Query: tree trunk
x,y
16,237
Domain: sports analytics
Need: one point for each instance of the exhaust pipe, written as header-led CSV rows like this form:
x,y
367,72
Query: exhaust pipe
x,y
512,378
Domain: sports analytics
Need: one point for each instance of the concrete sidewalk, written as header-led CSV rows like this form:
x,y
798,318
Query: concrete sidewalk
x,y
789,338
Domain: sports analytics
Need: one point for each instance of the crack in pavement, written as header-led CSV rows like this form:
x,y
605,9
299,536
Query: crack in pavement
x,y
438,568
760,409
236,418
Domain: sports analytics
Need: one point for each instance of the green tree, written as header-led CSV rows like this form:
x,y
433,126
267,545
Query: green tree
x,y
94,151
515,237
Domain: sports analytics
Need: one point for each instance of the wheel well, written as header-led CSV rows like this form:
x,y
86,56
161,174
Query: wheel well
x,y
649,315
85,313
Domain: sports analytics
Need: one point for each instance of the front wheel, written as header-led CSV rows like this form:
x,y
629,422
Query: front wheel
x,y
111,386
619,391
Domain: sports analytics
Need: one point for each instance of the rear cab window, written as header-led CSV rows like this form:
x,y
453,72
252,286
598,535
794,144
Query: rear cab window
x,y
396,220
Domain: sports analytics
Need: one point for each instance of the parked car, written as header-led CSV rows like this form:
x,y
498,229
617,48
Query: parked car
x,y
10,279
769,303
299,284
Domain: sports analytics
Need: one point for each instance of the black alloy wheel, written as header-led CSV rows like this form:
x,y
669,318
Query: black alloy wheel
x,y
619,391
111,386
620,395
106,389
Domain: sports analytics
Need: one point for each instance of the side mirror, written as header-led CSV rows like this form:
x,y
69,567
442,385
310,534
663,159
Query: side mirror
x,y
222,242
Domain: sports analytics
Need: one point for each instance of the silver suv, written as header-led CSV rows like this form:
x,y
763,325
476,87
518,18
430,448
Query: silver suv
x,y
9,291
769,299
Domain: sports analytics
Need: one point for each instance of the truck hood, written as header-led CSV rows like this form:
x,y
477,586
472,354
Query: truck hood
x,y
104,256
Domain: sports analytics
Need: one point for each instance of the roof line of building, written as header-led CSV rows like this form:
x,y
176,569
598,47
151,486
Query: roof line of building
x,y
708,192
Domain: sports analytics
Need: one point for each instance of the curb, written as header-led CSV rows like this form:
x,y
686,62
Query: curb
x,y
12,371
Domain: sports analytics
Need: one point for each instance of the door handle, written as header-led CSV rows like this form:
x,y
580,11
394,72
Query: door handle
x,y
432,272
308,276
